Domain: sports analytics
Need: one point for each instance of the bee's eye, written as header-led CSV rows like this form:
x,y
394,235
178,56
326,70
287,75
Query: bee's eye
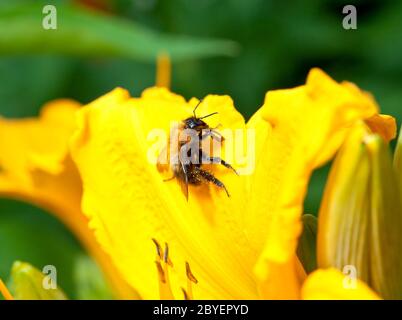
x,y
193,123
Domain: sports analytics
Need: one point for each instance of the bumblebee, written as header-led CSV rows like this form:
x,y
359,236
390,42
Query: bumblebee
x,y
187,167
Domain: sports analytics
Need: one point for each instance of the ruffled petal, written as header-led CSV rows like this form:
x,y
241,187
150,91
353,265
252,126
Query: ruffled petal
x,y
129,204
36,168
331,284
384,125
305,127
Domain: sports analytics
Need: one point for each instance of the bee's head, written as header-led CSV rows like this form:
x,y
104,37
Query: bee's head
x,y
197,123
194,123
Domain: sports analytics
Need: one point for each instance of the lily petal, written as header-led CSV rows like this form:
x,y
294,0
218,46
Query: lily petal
x,y
361,214
36,167
331,284
307,125
344,207
383,125
129,204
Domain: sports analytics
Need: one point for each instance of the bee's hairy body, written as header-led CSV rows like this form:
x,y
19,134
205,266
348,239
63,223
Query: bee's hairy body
x,y
191,172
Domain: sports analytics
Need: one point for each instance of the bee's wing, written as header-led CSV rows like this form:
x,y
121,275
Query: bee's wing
x,y
169,158
182,170
163,160
183,179
170,151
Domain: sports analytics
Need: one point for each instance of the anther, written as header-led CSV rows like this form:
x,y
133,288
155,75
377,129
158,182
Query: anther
x,y
186,297
190,276
166,255
166,258
162,266
158,248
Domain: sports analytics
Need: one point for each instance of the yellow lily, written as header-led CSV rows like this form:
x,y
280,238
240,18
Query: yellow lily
x,y
36,167
215,247
360,219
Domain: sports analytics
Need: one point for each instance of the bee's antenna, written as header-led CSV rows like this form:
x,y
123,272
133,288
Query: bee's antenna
x,y
208,115
196,108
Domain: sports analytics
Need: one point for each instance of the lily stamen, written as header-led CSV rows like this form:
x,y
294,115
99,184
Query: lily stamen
x,y
190,279
162,264
190,275
161,273
186,297
158,248
166,258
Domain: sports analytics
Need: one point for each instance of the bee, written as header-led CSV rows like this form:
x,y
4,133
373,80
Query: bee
x,y
187,164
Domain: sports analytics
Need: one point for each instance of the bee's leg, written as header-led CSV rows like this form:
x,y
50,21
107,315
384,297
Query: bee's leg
x,y
213,134
169,179
217,136
211,178
218,160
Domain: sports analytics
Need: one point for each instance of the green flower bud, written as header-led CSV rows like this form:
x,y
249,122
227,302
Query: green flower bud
x,y
28,283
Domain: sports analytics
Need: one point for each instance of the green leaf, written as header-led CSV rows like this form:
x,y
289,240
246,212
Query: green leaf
x,y
306,250
29,283
90,284
87,33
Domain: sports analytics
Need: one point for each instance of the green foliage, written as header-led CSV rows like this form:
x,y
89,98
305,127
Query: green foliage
x,y
86,33
307,246
89,280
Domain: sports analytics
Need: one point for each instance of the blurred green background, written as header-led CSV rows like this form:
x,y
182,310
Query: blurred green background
x,y
278,42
